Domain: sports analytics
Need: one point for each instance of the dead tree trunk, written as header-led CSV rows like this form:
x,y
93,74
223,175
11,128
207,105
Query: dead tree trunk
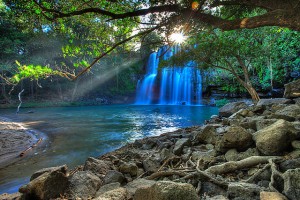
x,y
20,99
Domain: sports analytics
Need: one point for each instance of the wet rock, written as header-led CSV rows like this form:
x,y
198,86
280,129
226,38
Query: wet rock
x,y
107,187
163,190
235,137
292,184
83,184
231,108
269,102
47,185
96,166
151,164
275,139
232,155
296,144
292,89
128,168
116,194
138,183
272,196
63,169
180,143
289,113
113,176
243,191
290,164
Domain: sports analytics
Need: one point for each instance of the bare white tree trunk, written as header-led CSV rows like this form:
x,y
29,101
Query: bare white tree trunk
x,y
19,95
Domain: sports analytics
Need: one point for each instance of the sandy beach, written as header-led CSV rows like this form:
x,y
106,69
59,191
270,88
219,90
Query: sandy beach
x,y
14,138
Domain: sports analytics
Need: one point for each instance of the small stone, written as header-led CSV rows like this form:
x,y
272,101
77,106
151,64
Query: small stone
x,y
113,176
296,144
180,143
232,155
138,183
107,187
269,102
151,164
218,197
116,194
272,196
128,167
245,191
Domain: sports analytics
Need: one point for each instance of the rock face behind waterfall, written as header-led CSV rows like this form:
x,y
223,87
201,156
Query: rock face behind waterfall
x,y
253,154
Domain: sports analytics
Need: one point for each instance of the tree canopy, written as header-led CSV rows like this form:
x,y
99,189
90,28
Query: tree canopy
x,y
96,28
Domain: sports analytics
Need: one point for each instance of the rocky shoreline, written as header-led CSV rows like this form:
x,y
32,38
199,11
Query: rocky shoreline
x,y
248,152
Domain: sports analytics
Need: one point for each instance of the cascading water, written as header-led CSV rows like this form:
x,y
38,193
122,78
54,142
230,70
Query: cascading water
x,y
177,85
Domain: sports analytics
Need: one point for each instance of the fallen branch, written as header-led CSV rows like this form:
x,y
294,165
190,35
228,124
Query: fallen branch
x,y
31,147
232,166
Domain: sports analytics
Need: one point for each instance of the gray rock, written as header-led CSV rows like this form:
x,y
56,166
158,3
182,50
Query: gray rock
x,y
263,123
165,154
275,139
208,134
151,164
83,184
292,89
243,191
138,183
231,108
297,101
269,102
63,169
289,113
96,166
292,184
218,197
113,176
290,164
296,144
128,168
164,190
235,138
14,196
107,187
47,185
248,153
232,155
116,194
180,143
211,189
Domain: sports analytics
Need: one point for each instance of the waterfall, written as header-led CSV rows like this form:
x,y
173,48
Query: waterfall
x,y
175,85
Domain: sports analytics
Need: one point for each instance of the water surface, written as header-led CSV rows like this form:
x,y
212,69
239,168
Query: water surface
x,y
75,133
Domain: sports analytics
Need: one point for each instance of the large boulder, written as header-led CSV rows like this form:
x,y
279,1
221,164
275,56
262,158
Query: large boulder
x,y
63,169
292,89
96,166
235,137
208,134
151,164
84,185
107,187
231,108
292,184
167,190
133,186
275,139
269,102
46,184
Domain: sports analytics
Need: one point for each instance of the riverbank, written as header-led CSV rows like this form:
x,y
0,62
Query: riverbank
x,y
14,140
248,152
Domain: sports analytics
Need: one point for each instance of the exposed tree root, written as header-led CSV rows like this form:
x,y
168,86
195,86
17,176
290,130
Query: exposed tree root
x,y
274,176
254,176
165,173
237,165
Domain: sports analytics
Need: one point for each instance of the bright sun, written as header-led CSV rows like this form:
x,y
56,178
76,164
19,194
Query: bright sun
x,y
177,37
